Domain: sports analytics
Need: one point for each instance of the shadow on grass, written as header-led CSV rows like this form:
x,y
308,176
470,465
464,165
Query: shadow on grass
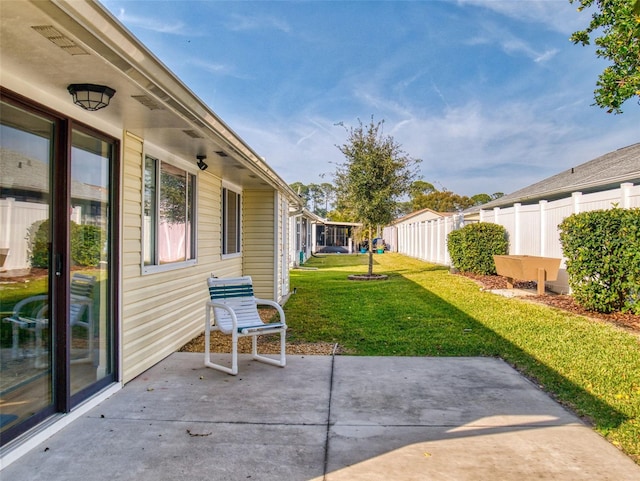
x,y
402,317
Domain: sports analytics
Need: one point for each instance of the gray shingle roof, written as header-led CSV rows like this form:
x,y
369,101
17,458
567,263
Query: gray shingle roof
x,y
605,172
32,175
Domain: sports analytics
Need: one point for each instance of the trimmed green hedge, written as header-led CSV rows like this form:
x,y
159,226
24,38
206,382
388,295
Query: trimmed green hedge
x,y
86,244
472,248
38,239
602,249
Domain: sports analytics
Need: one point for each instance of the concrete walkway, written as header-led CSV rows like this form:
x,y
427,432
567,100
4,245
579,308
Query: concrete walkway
x,y
325,418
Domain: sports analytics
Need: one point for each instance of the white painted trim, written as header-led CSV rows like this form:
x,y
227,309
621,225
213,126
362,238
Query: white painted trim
x,y
277,278
167,157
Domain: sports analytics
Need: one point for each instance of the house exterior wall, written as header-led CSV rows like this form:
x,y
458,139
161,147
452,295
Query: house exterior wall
x,y
155,312
259,240
163,311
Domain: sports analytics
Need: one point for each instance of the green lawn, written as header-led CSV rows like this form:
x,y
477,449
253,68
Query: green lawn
x,y
422,310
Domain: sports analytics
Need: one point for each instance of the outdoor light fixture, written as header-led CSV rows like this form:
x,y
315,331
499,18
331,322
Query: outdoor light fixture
x,y
201,164
91,97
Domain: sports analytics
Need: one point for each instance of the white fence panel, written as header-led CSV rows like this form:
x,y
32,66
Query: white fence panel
x,y
533,229
527,228
16,218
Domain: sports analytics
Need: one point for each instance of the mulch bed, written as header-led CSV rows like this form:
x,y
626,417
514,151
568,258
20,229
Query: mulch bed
x,y
269,344
627,321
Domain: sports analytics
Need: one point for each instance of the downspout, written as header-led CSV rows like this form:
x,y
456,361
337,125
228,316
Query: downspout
x,y
276,235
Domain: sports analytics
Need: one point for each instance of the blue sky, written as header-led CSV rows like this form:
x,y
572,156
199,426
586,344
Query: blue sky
x,y
490,94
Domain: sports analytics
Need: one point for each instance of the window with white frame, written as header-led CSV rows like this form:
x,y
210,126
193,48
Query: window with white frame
x,y
169,232
231,208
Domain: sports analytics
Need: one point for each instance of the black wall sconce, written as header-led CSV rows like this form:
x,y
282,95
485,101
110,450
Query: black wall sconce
x,y
91,97
201,164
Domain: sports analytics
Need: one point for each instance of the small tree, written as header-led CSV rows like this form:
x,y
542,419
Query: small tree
x,y
375,174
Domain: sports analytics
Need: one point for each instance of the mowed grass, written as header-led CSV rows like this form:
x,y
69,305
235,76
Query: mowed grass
x,y
423,310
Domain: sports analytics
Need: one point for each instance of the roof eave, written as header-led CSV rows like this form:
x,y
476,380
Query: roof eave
x,y
117,45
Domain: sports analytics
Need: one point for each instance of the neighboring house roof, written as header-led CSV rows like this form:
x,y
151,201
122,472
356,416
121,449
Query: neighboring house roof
x,y
423,214
304,212
346,224
602,173
21,174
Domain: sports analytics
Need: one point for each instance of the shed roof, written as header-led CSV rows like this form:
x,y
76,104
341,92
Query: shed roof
x,y
426,213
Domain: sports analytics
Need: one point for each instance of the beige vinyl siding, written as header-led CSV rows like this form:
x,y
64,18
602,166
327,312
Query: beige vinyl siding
x,y
258,240
162,311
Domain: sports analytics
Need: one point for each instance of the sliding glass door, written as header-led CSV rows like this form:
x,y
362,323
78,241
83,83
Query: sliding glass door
x,y
26,157
57,302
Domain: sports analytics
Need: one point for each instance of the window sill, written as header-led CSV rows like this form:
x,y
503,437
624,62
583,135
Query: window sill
x,y
146,270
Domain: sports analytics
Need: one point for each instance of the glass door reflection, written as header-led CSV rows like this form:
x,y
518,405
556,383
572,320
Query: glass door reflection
x,y
89,313
26,146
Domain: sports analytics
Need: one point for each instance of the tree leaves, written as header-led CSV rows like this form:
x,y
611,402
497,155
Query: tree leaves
x,y
618,22
375,175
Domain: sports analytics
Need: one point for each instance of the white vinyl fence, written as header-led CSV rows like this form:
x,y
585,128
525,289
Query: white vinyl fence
x,y
532,229
16,218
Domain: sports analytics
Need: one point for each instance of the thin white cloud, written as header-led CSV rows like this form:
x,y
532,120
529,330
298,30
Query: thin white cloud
x,y
511,44
305,137
557,15
147,22
217,68
372,99
546,55
241,23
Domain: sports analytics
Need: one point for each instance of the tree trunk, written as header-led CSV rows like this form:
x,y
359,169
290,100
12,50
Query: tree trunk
x,y
370,251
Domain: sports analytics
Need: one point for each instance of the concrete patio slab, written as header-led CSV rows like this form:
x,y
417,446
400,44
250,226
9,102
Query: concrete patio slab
x,y
327,419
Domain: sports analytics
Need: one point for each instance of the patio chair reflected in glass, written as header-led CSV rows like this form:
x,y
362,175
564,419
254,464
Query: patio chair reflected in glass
x,y
233,310
32,314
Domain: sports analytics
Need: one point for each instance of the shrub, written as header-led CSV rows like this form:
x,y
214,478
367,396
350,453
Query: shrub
x,y
38,241
86,244
472,248
602,249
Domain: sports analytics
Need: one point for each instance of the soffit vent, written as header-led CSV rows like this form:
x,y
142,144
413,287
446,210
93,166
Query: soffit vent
x,y
193,134
222,153
148,102
62,41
